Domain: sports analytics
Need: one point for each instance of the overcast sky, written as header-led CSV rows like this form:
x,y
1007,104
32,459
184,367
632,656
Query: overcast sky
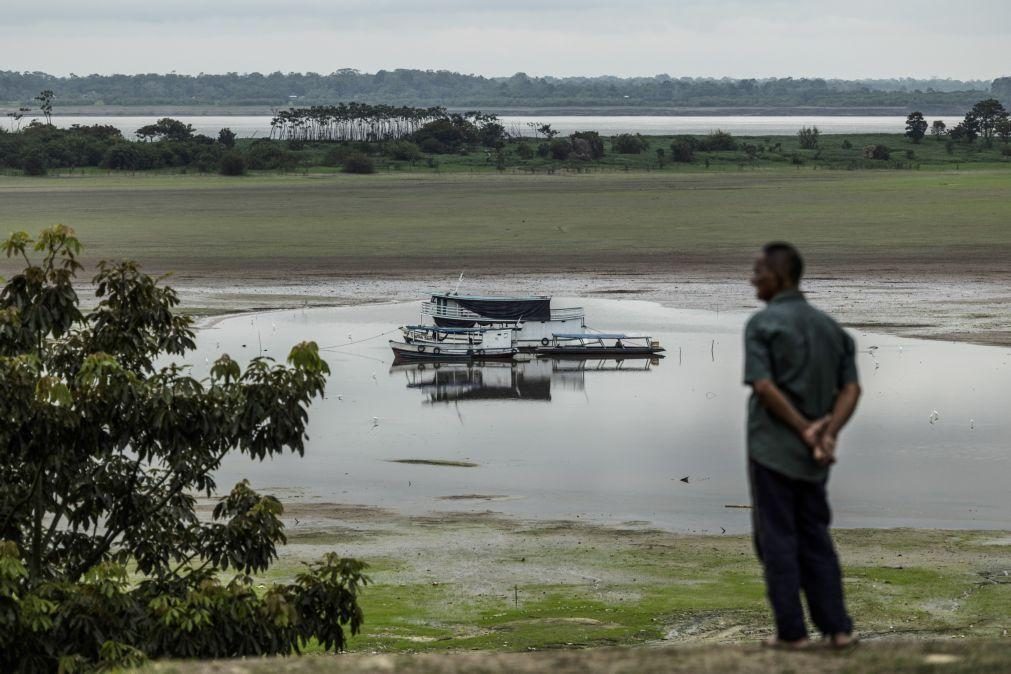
x,y
966,39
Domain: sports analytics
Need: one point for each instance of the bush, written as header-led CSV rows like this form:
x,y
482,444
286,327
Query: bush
x,y
683,150
226,137
718,141
543,150
269,155
335,155
847,145
560,149
404,150
126,443
433,146
627,143
1005,151
358,163
879,152
122,157
451,134
232,164
524,151
594,148
34,165
808,137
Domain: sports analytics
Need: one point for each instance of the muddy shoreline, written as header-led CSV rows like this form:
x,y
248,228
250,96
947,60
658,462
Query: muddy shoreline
x,y
972,307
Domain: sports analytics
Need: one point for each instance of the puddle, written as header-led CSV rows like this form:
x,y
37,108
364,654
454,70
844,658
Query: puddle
x,y
611,441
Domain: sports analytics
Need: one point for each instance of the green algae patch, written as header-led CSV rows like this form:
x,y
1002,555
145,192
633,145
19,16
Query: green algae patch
x,y
480,580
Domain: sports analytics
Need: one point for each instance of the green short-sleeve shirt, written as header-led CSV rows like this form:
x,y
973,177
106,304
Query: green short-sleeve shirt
x,y
809,357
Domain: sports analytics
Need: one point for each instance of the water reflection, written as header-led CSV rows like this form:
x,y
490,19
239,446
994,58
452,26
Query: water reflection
x,y
519,380
609,440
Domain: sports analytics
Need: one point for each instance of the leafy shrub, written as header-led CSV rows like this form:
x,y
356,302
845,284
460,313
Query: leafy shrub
x,y
682,150
122,157
592,146
451,134
404,150
808,137
226,137
524,151
879,152
124,442
334,156
358,163
560,149
627,143
433,146
847,145
717,141
265,155
543,150
34,165
232,164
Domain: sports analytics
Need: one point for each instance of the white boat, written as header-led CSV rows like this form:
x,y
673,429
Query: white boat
x,y
532,317
614,345
428,342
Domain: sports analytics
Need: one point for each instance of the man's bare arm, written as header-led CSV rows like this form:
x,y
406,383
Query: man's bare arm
x,y
772,399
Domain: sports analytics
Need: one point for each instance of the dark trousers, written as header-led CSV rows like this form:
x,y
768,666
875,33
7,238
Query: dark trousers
x,y
790,520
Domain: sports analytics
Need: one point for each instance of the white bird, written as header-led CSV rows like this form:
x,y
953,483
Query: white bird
x,y
934,417
340,397
375,423
972,424
374,378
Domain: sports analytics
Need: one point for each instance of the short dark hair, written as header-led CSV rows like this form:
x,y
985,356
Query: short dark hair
x,y
785,260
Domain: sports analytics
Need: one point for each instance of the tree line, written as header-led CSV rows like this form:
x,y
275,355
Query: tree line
x,y
422,88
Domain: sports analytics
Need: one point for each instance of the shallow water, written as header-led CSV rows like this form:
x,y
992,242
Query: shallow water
x,y
259,126
609,442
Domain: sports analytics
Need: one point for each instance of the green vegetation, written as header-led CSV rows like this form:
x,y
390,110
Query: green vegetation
x,y
101,452
338,224
460,581
417,87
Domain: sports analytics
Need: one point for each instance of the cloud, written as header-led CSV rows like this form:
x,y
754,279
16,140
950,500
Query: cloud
x,y
858,38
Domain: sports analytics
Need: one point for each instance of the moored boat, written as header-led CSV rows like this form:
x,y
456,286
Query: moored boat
x,y
600,343
426,342
532,317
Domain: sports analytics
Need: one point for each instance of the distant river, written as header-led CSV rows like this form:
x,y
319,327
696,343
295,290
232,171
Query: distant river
x,y
742,125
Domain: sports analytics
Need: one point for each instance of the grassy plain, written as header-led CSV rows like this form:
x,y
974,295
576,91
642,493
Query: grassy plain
x,y
283,226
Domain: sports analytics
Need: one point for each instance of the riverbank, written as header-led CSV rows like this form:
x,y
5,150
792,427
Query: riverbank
x,y
477,579
952,657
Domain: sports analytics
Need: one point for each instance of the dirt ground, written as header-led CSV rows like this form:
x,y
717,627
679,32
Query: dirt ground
x,y
949,657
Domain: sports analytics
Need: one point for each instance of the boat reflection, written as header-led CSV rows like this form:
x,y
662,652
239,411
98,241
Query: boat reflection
x,y
517,380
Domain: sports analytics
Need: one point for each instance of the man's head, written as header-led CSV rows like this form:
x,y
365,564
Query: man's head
x,y
777,268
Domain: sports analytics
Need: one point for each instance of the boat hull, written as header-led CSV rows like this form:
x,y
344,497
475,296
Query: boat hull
x,y
609,351
404,352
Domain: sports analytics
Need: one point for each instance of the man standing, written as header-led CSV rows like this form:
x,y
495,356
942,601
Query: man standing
x,y
801,367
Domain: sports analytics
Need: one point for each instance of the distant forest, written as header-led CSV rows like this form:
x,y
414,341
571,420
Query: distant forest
x,y
443,88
